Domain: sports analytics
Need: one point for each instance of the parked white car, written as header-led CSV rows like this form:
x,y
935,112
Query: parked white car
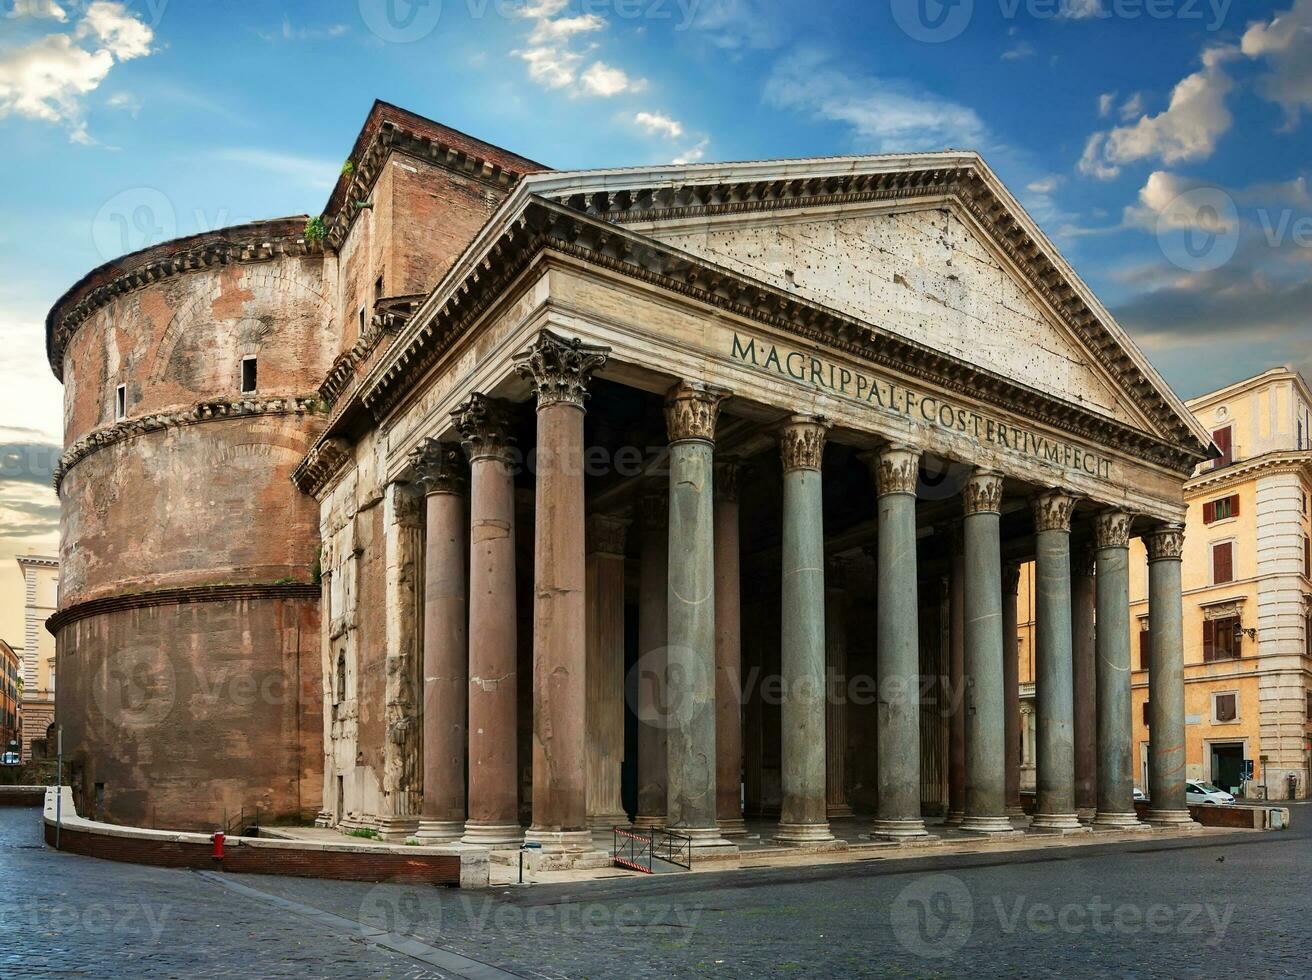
x,y
10,759
1139,794
1201,791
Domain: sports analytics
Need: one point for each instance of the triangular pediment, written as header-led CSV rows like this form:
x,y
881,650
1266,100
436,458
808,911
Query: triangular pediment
x,y
922,273
931,248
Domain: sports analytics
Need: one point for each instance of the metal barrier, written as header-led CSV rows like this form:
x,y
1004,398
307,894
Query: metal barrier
x,y
631,850
672,847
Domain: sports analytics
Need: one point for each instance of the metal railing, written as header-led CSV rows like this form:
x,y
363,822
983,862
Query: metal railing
x,y
672,847
636,849
631,850
237,826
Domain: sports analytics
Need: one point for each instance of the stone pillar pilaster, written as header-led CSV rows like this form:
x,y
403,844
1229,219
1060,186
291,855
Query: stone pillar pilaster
x,y
1053,692
1083,684
605,670
837,571
986,780
803,818
652,694
1166,727
485,429
691,412
728,655
1011,685
403,550
1112,640
957,683
440,474
897,659
559,370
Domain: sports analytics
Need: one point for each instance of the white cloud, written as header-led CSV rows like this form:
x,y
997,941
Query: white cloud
x,y
1081,9
562,29
48,78
1286,45
1106,102
1188,129
1044,185
287,32
693,154
37,9
124,101
659,124
551,67
118,31
1164,205
1131,107
537,9
605,80
738,25
1019,51
885,115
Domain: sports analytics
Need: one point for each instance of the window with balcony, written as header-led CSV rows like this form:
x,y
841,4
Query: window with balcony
x,y
1223,439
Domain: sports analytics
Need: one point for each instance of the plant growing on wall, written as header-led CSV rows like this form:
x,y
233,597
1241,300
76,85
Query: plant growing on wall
x,y
348,168
316,230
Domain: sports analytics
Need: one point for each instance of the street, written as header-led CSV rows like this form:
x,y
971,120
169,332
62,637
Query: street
x,y
1197,908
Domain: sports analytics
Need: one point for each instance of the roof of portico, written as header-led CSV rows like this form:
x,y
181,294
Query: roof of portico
x,y
592,215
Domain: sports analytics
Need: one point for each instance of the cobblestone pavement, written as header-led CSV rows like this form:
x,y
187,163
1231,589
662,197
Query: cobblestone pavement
x,y
1225,906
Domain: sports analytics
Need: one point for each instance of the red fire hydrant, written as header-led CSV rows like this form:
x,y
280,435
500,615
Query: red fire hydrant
x,y
217,837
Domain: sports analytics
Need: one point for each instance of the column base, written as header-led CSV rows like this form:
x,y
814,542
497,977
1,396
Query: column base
x,y
608,821
707,844
323,819
397,828
1085,814
804,834
733,827
954,818
1015,810
838,811
1057,823
563,850
887,829
1171,820
645,821
1118,821
988,825
488,834
440,831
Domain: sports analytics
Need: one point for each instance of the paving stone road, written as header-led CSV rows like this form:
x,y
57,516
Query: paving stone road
x,y
1234,906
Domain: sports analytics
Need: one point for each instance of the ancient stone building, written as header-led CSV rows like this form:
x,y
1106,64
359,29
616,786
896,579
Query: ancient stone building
x,y
606,482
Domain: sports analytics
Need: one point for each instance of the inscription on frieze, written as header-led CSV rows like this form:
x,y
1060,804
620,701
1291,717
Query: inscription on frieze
x,y
894,398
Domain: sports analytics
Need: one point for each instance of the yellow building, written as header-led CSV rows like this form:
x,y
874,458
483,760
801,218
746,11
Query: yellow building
x,y
40,599
10,689
1247,598
1247,591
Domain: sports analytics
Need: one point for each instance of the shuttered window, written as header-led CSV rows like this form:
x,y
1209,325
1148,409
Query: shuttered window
x,y
1224,445
1225,707
1220,510
1223,562
1221,639
1145,649
1145,714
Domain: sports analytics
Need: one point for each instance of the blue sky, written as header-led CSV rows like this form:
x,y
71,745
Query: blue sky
x,y
1162,144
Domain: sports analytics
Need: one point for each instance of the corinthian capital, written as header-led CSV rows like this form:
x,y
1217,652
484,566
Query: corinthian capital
x,y
1165,542
1052,511
485,427
1010,578
802,442
605,534
691,411
560,369
982,493
1111,529
896,469
439,467
654,512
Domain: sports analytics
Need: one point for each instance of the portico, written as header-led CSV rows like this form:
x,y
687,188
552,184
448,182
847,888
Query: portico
x,y
722,498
